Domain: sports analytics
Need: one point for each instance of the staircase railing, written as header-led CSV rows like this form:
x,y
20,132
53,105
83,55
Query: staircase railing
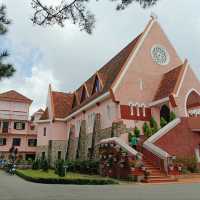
x,y
157,151
122,144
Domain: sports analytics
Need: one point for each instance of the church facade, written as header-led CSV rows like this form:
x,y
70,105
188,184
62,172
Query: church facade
x,y
145,79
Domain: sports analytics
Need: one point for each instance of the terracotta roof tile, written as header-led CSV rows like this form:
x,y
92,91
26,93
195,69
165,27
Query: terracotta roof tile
x,y
62,103
12,95
168,83
107,74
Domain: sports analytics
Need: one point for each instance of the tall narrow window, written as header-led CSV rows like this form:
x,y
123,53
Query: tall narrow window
x,y
45,131
96,87
59,155
83,95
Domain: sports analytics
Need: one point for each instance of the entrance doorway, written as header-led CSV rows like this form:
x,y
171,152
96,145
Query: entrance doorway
x,y
165,113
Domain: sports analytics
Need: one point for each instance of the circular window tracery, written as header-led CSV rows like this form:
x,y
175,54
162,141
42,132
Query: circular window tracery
x,y
160,55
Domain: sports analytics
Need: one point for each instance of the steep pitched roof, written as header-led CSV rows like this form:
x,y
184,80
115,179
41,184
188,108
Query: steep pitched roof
x,y
62,103
14,96
107,74
168,83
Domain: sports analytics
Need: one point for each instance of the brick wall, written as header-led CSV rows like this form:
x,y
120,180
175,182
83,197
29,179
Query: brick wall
x,y
180,141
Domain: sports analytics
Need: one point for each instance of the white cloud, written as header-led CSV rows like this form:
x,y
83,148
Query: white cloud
x,y
35,86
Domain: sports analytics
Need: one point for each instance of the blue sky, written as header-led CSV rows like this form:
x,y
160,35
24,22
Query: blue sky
x,y
66,57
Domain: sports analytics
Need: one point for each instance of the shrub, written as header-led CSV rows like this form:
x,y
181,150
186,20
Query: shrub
x,y
78,181
59,169
44,165
137,132
172,116
130,135
153,125
163,122
148,132
86,167
145,127
189,164
36,164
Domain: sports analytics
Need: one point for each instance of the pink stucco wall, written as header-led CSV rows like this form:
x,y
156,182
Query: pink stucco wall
x,y
14,112
108,110
54,131
190,83
144,68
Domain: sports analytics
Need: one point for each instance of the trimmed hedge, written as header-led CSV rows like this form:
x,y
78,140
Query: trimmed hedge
x,y
85,166
77,181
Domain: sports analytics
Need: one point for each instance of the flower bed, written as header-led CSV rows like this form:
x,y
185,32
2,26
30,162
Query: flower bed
x,y
50,177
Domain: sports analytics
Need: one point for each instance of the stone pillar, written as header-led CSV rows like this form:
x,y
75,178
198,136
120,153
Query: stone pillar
x,y
82,149
118,128
71,147
95,134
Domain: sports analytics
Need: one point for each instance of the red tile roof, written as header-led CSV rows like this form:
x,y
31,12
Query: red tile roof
x,y
14,96
107,74
62,103
168,83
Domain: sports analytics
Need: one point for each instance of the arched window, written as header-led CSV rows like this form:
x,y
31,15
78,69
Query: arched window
x,y
96,87
165,113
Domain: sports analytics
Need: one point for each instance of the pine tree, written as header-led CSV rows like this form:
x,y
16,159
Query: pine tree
x,y
6,70
153,125
137,132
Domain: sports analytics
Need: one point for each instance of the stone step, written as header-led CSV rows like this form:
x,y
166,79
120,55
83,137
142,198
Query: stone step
x,y
160,180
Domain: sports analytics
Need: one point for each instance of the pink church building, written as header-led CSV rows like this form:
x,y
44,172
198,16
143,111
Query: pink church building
x,y
145,79
16,130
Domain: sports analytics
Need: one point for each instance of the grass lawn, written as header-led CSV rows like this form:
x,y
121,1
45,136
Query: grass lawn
x,y
70,177
51,174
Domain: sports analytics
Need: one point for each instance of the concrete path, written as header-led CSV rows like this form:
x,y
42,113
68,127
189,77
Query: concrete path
x,y
14,188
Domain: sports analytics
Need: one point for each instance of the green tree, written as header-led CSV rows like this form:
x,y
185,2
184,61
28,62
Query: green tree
x,y
153,125
137,132
148,132
172,116
163,122
75,11
145,127
6,70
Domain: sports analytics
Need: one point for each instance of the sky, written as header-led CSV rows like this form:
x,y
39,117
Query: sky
x,y
66,57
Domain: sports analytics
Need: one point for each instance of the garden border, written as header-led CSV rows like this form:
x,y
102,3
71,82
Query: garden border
x,y
77,181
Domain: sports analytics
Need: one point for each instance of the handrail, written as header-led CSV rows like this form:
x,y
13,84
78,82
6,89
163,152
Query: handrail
x,y
121,143
164,130
157,151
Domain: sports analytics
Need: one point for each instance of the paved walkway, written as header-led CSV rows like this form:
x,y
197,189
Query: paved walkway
x,y
14,188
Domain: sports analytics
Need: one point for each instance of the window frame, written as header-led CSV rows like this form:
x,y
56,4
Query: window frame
x,y
14,139
34,142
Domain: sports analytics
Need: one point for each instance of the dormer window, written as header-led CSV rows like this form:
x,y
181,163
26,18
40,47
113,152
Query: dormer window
x,y
96,87
83,95
74,104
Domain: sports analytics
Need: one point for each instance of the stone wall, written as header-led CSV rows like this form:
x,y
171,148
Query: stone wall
x,y
41,149
85,147
56,146
51,151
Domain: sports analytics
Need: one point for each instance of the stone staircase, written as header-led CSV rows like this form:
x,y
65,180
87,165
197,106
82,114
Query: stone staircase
x,y
156,175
